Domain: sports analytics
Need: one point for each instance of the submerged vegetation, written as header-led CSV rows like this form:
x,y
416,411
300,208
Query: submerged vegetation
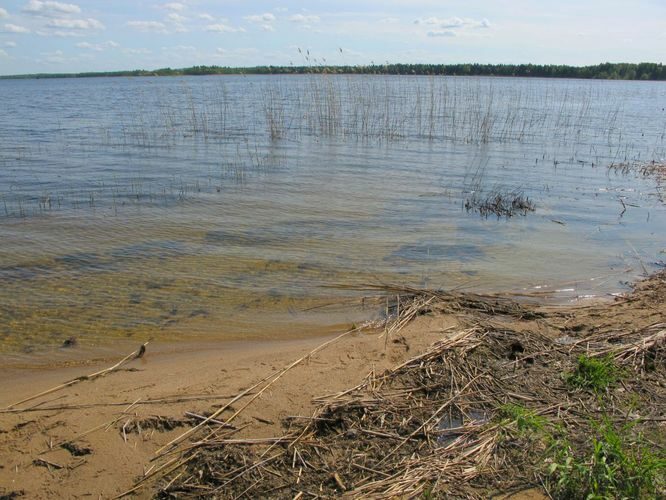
x,y
500,203
611,71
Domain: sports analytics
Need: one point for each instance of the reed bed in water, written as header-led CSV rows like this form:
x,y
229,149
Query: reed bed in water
x,y
239,128
389,109
510,400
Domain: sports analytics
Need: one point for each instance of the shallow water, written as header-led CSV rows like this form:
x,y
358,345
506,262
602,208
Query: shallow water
x,y
232,207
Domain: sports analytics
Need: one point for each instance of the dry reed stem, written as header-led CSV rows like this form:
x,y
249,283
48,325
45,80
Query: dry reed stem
x,y
133,355
84,406
276,377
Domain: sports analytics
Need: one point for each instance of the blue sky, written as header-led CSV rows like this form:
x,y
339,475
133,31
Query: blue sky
x,y
88,35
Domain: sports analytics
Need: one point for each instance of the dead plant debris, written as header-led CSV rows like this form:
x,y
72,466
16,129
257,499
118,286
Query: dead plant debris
x,y
157,423
646,169
485,410
76,450
12,495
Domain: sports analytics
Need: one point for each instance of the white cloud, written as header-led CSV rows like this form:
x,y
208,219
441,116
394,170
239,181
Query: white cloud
x,y
301,18
61,33
3,53
452,22
48,8
11,45
267,27
176,18
267,17
76,24
148,26
13,28
98,47
442,33
177,21
206,17
444,25
88,45
223,28
3,13
177,6
55,57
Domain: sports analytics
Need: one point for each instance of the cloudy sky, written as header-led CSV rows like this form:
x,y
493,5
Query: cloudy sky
x,y
99,35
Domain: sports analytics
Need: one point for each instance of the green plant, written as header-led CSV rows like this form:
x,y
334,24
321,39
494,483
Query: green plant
x,y
594,374
525,419
613,467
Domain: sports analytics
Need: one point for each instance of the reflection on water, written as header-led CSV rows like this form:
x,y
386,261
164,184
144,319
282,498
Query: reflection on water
x,y
231,207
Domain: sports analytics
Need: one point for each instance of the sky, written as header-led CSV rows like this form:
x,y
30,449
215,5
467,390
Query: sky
x,y
95,35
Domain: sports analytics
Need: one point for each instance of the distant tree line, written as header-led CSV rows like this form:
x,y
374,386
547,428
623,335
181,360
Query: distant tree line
x,y
607,71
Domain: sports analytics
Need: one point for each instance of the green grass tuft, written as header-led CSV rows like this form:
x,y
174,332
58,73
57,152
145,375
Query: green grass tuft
x,y
525,419
596,374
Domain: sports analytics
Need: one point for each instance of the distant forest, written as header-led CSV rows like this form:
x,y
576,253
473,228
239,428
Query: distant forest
x,y
608,71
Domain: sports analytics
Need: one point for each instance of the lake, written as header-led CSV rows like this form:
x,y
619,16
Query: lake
x,y
249,207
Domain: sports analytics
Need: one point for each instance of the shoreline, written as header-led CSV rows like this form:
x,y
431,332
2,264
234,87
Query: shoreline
x,y
107,350
644,71
118,422
96,352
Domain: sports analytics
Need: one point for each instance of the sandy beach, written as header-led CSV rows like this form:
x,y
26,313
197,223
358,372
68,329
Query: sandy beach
x,y
170,383
103,437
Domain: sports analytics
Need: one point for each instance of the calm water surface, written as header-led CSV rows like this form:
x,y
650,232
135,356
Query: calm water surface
x,y
235,207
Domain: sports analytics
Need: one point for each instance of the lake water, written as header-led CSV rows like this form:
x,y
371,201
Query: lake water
x,y
240,207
